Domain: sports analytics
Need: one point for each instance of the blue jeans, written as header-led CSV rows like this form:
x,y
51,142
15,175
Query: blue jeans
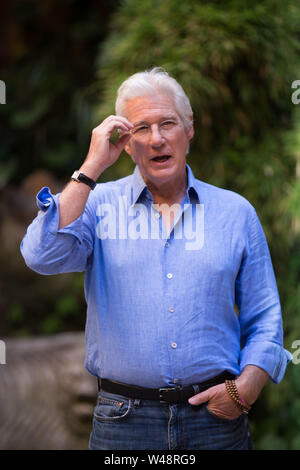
x,y
121,423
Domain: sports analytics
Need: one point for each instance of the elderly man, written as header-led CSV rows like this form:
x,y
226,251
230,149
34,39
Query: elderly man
x,y
169,261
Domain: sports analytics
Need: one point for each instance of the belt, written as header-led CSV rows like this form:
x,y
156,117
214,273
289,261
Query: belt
x,y
174,394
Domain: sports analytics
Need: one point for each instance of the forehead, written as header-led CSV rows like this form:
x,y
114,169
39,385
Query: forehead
x,y
151,108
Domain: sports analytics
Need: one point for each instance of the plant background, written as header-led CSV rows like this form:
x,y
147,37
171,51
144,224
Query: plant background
x,y
62,63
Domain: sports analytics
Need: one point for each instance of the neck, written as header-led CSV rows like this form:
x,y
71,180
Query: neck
x,y
170,192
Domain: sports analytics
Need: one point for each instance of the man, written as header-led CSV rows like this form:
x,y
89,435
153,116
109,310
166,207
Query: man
x,y
167,258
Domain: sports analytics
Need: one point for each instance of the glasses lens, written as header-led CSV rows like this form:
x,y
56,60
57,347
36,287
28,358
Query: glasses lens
x,y
141,133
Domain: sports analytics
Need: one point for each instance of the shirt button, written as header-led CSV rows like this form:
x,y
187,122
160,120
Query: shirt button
x,y
167,244
169,276
174,345
171,309
157,215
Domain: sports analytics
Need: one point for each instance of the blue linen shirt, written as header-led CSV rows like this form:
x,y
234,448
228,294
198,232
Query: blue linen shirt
x,y
165,309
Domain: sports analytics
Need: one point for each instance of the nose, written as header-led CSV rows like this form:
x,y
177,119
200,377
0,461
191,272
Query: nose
x,y
156,138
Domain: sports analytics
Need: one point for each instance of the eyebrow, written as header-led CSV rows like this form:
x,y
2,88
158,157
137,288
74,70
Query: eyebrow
x,y
165,118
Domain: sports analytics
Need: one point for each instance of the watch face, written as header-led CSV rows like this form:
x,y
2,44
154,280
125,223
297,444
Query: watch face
x,y
75,175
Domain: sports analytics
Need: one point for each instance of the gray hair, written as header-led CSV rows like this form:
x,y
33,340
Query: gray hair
x,y
150,82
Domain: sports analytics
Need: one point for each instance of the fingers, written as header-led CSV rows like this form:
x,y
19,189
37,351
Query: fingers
x,y
112,123
200,398
219,402
207,395
102,150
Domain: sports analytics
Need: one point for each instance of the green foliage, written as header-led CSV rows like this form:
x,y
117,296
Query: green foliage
x,y
49,73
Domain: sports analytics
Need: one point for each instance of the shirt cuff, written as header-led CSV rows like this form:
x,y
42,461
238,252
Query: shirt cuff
x,y
44,199
271,357
48,204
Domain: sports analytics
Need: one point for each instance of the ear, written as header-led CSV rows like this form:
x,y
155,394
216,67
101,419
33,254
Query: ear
x,y
190,132
128,150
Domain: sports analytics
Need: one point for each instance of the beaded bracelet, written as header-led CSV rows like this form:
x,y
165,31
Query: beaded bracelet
x,y
234,394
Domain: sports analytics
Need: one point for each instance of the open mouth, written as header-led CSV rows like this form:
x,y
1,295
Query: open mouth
x,y
161,158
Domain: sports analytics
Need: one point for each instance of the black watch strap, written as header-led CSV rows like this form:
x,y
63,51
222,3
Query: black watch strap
x,y
82,178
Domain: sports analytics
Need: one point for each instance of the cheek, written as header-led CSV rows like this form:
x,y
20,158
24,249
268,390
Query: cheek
x,y
137,152
183,144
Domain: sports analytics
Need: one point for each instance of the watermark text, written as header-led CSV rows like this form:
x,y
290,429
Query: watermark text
x,y
296,354
138,221
296,94
2,92
2,352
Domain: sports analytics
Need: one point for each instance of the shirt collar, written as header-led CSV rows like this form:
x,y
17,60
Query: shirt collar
x,y
192,189
139,186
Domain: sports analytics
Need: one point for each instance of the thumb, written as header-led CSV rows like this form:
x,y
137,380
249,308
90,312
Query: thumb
x,y
199,398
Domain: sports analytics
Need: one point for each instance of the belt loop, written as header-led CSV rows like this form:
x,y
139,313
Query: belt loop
x,y
196,389
136,402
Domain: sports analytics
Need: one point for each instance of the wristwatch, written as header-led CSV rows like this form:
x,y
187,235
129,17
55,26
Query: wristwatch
x,y
82,178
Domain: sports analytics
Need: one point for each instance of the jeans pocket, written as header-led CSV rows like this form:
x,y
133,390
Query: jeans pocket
x,y
219,418
110,409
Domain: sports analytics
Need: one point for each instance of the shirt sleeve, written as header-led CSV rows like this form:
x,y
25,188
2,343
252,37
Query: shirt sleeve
x,y
259,307
49,250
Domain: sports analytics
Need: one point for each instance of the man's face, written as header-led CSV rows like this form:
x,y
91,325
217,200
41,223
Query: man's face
x,y
159,141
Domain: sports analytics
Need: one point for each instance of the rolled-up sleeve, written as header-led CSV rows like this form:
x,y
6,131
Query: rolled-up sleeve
x,y
259,307
49,250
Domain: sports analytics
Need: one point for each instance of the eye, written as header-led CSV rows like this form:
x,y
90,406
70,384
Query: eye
x,y
168,124
141,129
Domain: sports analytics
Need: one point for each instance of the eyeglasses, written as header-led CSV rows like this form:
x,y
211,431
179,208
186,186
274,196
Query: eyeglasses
x,y
143,131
